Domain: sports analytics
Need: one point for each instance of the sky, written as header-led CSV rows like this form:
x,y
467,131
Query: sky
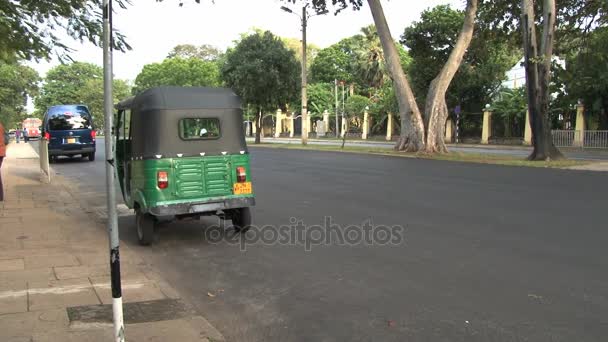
x,y
154,28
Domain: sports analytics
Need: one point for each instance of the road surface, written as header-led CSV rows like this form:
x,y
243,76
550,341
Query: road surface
x,y
489,253
512,151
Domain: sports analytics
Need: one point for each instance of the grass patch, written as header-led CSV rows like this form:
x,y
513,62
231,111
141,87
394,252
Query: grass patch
x,y
480,158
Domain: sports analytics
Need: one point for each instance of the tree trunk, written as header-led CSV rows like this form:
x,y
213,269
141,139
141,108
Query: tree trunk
x,y
436,109
258,126
412,126
538,77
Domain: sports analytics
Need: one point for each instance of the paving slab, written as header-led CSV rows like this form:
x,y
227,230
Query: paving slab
x,y
27,323
43,261
11,264
61,294
39,274
135,288
13,296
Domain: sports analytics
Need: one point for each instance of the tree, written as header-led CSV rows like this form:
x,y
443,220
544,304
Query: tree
x,y
412,136
63,83
538,77
263,72
510,107
28,29
586,76
191,72
205,52
295,45
77,83
91,94
430,41
17,83
336,62
320,98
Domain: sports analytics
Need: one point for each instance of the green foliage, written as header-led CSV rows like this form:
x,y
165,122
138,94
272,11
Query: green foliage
x,y
586,76
430,42
191,72
295,45
262,71
29,29
205,52
77,83
358,59
17,82
320,98
355,105
335,62
511,108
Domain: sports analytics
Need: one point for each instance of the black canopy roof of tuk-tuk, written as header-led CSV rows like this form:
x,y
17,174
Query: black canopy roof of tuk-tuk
x,y
155,116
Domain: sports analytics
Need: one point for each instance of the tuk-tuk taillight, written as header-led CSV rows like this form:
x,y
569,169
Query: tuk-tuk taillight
x,y
162,179
241,174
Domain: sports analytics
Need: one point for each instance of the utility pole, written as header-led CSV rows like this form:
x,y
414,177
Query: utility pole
x,y
304,18
304,80
112,224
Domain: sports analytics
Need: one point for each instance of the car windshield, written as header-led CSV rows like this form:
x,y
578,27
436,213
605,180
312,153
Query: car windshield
x,y
70,119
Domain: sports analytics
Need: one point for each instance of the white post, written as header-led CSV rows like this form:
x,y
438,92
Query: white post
x,y
326,120
278,124
389,127
365,125
291,124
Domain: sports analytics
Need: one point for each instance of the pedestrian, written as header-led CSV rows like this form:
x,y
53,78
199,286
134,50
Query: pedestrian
x,y
2,154
17,135
25,137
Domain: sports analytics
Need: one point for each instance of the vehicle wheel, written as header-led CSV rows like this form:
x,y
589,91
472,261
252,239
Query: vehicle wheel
x,y
51,159
145,227
241,219
91,156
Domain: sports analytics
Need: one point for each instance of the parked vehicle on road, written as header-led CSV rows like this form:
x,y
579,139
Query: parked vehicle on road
x,y
69,131
181,152
31,127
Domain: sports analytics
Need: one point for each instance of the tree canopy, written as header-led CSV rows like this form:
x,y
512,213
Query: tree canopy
x,y
205,52
191,72
482,71
29,29
262,71
17,83
77,83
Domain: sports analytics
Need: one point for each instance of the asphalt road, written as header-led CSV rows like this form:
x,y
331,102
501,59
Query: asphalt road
x,y
511,151
489,253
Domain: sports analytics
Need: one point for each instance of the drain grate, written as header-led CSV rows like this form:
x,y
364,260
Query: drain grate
x,y
138,312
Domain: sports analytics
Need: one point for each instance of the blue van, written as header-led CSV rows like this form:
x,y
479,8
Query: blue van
x,y
69,130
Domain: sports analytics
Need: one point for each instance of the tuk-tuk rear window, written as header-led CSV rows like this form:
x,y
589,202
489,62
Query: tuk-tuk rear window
x,y
199,128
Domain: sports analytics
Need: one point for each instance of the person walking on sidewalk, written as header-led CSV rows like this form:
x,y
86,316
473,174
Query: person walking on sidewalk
x,y
2,154
17,135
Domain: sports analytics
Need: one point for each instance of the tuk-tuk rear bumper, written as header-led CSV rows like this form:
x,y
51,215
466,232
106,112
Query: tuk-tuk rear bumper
x,y
204,207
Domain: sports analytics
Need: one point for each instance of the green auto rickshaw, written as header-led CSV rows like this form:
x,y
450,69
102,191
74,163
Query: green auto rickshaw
x,y
181,153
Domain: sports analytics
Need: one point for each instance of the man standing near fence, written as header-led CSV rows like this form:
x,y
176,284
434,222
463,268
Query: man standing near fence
x,y
2,154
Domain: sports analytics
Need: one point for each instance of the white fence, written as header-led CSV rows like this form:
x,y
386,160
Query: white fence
x,y
581,139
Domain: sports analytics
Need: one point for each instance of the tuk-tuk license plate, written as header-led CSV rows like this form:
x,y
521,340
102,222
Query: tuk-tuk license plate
x,y
241,188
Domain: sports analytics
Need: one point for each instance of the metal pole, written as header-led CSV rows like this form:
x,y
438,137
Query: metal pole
x,y
336,87
112,225
304,97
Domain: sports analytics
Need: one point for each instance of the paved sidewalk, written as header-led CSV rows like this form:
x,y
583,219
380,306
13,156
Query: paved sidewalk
x,y
54,270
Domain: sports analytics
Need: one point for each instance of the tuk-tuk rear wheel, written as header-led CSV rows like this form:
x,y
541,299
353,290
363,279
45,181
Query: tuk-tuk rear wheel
x,y
145,227
241,219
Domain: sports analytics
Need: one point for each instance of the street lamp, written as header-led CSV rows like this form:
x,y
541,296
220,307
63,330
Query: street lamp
x,y
304,20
